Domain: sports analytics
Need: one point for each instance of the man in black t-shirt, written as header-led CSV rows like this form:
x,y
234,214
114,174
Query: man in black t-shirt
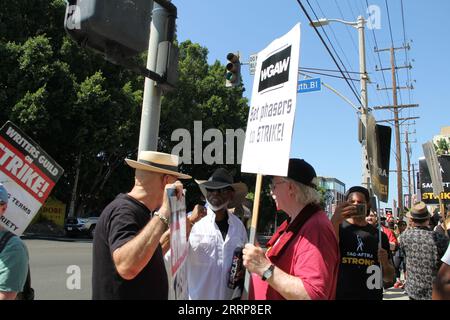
x,y
359,273
127,256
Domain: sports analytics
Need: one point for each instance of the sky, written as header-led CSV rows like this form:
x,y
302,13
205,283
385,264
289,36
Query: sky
x,y
325,132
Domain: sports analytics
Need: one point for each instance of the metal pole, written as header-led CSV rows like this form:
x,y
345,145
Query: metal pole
x,y
408,163
364,100
397,135
379,245
73,199
151,105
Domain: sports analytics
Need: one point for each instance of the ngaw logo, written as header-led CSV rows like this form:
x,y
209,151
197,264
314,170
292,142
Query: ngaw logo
x,y
275,69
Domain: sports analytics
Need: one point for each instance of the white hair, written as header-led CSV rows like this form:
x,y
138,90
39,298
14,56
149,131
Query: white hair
x,y
305,194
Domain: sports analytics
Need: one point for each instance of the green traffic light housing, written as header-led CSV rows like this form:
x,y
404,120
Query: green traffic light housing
x,y
233,74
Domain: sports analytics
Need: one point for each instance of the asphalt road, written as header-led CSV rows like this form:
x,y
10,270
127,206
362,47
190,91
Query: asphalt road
x,y
60,270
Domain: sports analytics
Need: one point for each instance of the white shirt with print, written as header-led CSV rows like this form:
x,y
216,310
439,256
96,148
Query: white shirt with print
x,y
209,259
446,257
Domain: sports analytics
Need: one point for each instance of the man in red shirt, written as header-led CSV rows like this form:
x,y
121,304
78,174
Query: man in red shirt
x,y
302,258
372,219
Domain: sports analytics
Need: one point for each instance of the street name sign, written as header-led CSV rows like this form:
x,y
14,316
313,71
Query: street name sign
x,y
309,85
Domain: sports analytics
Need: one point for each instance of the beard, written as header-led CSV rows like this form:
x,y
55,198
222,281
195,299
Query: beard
x,y
218,207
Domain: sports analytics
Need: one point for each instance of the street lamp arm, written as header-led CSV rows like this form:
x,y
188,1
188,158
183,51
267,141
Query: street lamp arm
x,y
350,23
323,22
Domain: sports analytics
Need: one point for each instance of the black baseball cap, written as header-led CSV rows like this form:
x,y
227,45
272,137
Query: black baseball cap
x,y
359,189
301,171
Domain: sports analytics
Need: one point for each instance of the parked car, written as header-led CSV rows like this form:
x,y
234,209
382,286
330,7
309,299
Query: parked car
x,y
83,226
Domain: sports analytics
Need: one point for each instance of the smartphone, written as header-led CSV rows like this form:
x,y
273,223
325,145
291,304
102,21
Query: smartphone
x,y
361,210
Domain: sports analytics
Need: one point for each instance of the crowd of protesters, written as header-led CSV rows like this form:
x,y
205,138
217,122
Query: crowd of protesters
x,y
309,257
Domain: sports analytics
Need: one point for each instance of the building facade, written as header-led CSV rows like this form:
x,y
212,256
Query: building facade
x,y
335,192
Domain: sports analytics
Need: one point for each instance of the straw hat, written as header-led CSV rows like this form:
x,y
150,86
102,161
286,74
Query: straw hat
x,y
418,211
158,162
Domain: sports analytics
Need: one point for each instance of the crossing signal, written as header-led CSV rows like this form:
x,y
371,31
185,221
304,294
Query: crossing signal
x,y
233,74
118,29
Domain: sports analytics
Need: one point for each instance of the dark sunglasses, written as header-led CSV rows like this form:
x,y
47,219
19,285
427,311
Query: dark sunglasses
x,y
220,191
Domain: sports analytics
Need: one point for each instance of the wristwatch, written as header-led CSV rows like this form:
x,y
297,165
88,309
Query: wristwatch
x,y
268,273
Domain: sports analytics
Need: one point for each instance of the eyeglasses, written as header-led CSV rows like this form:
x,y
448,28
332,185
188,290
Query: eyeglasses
x,y
274,184
2,203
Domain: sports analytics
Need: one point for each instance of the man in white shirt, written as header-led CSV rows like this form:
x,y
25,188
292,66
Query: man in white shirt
x,y
213,241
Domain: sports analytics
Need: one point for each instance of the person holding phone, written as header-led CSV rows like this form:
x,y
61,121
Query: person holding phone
x,y
362,253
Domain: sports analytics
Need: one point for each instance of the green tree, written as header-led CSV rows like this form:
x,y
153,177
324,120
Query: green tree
x,y
442,146
85,112
70,101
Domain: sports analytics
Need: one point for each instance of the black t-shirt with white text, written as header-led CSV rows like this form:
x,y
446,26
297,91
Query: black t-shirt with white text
x,y
120,222
359,251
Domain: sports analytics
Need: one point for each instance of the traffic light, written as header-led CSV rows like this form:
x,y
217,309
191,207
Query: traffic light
x,y
118,29
233,74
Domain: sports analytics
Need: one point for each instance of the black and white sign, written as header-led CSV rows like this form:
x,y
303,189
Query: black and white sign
x,y
272,111
426,185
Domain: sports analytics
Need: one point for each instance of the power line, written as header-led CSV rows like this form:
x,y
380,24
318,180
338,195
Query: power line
x,y
408,73
379,58
327,75
392,43
372,53
328,70
371,83
328,49
332,46
346,26
337,42
351,9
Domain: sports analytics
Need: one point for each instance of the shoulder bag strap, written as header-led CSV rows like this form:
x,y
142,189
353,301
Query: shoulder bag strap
x,y
4,240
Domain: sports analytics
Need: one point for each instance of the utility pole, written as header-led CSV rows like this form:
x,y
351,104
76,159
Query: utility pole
x,y
364,99
162,25
408,163
364,78
396,121
397,134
